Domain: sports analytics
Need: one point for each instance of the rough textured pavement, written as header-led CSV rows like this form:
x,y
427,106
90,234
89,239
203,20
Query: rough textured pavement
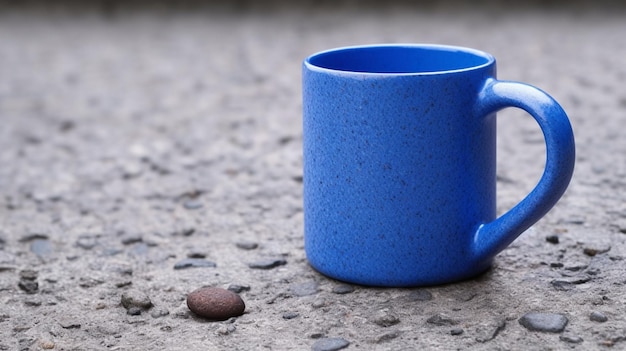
x,y
133,139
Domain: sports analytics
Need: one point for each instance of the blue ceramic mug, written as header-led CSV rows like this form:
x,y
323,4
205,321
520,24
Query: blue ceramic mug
x,y
400,163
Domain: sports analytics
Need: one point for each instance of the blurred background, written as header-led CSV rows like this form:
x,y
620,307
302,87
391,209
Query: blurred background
x,y
130,78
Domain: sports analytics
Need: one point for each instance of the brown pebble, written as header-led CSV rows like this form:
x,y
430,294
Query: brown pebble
x,y
215,303
46,344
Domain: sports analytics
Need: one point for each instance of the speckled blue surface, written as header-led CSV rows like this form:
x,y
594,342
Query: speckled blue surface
x,y
399,163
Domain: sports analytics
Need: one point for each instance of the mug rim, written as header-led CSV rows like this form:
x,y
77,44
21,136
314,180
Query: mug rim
x,y
489,59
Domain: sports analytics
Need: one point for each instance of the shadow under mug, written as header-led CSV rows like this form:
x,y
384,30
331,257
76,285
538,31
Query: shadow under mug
x,y
399,153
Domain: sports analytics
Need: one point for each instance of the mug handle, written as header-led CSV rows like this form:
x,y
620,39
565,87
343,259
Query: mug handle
x,y
495,236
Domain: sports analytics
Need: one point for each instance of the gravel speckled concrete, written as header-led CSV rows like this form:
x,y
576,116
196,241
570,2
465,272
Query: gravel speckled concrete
x,y
131,140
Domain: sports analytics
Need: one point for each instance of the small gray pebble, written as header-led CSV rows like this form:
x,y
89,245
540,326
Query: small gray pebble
x,y
553,239
187,231
544,322
343,289
86,242
247,245
193,263
41,247
575,267
128,239
456,331
330,344
578,279
267,263
135,298
196,254
158,312
290,315
67,323
598,317
123,283
28,286
192,204
134,311
237,289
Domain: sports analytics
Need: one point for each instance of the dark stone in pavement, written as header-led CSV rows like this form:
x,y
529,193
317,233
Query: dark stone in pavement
x,y
330,344
553,239
134,311
237,289
28,286
343,289
267,263
32,236
193,204
41,247
456,331
597,316
193,263
247,245
131,238
290,315
544,322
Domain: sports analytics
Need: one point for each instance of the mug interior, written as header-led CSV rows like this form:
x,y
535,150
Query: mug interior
x,y
400,59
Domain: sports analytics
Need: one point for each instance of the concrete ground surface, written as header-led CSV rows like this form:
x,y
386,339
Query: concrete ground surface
x,y
133,138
